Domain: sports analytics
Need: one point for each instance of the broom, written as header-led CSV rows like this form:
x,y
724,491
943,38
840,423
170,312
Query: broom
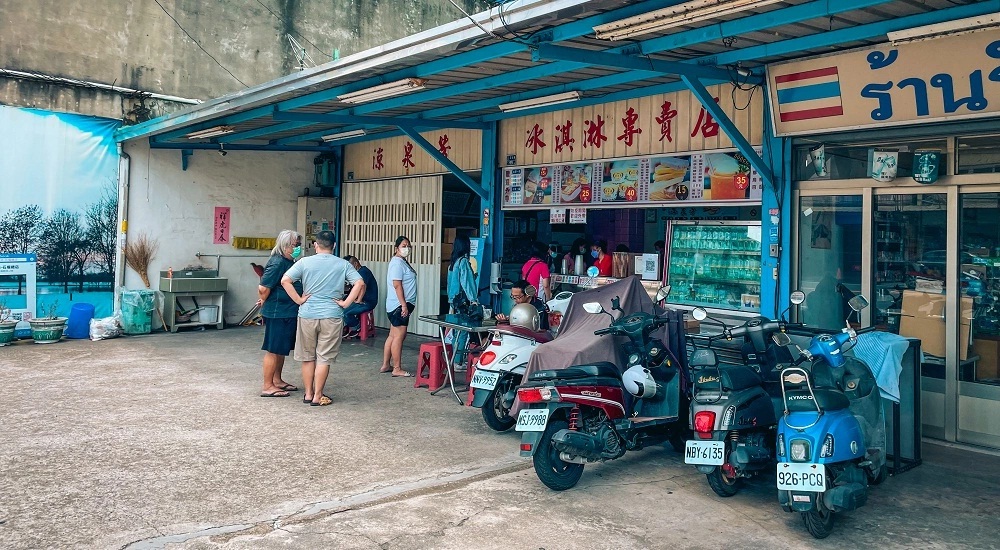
x,y
139,254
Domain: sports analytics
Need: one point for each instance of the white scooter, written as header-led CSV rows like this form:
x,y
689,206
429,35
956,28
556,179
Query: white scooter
x,y
502,363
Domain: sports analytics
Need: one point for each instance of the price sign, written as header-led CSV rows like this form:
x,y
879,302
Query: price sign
x,y
742,181
585,194
631,194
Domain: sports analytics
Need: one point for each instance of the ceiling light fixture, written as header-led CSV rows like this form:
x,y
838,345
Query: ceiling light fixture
x,y
383,91
947,28
543,101
211,132
344,135
675,16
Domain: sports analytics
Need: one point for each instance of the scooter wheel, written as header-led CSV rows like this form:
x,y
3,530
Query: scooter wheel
x,y
555,473
879,476
723,485
494,414
819,523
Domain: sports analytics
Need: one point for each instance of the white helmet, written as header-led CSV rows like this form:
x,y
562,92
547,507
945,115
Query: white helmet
x,y
525,316
639,382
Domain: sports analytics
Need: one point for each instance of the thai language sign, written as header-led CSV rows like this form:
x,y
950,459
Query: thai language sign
x,y
947,78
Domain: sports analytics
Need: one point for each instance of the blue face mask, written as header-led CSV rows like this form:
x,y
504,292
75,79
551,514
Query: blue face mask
x,y
594,253
296,252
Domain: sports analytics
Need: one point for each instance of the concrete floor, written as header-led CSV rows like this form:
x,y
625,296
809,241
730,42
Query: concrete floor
x,y
161,442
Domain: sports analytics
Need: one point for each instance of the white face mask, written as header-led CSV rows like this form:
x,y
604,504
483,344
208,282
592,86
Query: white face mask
x,y
404,251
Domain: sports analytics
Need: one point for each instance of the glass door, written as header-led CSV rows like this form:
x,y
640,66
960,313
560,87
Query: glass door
x,y
829,253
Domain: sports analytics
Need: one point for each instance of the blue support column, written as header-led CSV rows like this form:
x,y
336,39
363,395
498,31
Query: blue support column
x,y
493,238
776,222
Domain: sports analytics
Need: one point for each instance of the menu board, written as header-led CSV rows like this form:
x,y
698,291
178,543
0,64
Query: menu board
x,y
698,178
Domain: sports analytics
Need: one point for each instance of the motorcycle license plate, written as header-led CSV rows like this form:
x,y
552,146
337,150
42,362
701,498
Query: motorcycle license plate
x,y
485,380
532,420
801,477
712,453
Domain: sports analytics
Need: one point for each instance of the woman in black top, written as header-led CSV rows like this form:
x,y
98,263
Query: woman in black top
x,y
279,312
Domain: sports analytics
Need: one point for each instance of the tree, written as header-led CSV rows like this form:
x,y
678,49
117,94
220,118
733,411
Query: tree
x,y
102,234
19,233
63,249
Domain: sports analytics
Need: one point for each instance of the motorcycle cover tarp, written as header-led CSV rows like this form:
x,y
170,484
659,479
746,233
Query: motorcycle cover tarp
x,y
577,344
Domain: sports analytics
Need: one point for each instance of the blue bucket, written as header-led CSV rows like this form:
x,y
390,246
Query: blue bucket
x,y
79,321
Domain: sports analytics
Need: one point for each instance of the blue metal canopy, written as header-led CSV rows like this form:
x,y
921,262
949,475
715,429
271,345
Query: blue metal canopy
x,y
525,49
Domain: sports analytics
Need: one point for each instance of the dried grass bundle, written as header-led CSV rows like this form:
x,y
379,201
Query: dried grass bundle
x,y
139,252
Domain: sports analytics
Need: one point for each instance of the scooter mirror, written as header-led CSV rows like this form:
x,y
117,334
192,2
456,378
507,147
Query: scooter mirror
x,y
858,302
699,313
662,293
797,297
781,339
616,304
593,307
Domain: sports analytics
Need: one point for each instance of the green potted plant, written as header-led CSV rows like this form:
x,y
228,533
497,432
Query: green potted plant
x,y
48,329
7,324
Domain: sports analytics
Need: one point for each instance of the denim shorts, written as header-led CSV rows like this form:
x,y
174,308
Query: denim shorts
x,y
396,318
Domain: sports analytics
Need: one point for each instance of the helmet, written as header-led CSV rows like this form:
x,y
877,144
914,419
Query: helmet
x,y
526,316
639,382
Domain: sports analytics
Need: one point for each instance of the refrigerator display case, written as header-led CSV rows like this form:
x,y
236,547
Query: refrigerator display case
x,y
714,264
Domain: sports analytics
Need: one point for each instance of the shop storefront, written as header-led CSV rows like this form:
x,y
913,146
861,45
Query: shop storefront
x,y
653,178
896,161
393,187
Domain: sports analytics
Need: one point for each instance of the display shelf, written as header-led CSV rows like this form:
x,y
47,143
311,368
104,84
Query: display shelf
x,y
722,278
755,253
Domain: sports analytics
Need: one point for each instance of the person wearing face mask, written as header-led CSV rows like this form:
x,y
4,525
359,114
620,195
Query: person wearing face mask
x,y
401,281
578,249
536,270
599,252
279,312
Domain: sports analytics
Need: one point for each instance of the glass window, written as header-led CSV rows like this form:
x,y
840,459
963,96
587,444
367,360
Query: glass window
x,y
980,280
715,264
829,253
979,155
839,161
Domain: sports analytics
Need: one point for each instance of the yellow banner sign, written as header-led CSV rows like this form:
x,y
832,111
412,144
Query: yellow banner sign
x,y
943,79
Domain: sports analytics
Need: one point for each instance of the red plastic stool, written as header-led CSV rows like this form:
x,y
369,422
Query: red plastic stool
x,y
367,326
430,365
470,373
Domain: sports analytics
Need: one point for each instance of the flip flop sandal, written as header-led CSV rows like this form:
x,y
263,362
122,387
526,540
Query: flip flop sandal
x,y
289,387
323,401
404,375
279,393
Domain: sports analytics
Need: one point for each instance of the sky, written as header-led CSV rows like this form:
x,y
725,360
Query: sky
x,y
54,160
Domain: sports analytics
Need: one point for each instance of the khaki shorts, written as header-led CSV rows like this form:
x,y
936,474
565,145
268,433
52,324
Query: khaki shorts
x,y
318,340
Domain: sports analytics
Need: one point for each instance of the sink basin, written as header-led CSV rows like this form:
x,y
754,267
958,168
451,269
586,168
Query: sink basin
x,y
193,284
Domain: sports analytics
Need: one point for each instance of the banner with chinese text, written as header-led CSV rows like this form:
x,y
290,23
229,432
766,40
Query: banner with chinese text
x,y
660,124
398,156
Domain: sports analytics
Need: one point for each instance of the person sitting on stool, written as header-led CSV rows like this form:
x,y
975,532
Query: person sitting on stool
x,y
367,302
523,293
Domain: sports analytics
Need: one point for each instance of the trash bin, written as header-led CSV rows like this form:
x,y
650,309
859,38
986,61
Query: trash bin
x,y
79,321
137,311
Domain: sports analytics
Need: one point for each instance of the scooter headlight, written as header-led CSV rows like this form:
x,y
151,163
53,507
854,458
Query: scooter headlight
x,y
800,450
827,450
633,359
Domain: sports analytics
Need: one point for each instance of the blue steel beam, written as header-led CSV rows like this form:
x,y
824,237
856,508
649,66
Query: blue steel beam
x,y
366,120
623,61
472,184
566,31
741,143
785,16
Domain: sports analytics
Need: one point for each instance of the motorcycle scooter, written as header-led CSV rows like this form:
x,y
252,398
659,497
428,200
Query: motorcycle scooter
x,y
735,408
831,436
501,364
594,412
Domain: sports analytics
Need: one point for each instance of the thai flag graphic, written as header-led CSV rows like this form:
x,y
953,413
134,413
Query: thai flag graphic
x,y
809,94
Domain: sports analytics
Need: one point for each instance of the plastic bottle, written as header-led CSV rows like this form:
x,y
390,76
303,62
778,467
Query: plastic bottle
x,y
170,273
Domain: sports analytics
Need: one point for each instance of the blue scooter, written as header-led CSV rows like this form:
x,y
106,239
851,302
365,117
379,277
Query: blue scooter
x,y
831,436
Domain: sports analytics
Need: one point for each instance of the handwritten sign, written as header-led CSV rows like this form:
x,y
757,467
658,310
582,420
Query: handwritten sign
x,y
220,233
577,215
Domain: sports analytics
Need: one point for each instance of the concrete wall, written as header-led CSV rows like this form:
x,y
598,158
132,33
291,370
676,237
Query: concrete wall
x,y
135,44
177,207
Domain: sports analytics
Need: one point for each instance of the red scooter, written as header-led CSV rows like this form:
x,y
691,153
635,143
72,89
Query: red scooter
x,y
596,412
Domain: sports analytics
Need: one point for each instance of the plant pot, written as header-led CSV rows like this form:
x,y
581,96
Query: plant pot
x,y
47,331
7,332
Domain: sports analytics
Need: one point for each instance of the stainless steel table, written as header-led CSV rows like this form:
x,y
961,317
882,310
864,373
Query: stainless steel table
x,y
455,322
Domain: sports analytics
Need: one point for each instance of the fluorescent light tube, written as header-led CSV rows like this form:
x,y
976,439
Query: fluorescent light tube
x,y
382,91
958,26
344,135
211,132
675,16
543,101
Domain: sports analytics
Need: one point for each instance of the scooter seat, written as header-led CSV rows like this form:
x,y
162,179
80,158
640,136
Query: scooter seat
x,y
593,370
541,336
827,399
734,378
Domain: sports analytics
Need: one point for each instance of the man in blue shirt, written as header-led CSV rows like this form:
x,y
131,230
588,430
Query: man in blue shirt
x,y
321,312
352,315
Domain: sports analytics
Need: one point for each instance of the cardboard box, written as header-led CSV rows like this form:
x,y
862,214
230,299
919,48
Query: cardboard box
x,y
692,326
922,316
647,266
988,350
622,264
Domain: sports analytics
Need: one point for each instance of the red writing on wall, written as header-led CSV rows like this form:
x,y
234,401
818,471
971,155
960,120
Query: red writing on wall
x,y
631,130
443,146
593,132
408,156
220,234
534,141
706,125
564,137
378,162
667,115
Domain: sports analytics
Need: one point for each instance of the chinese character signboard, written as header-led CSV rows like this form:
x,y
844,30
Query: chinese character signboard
x,y
401,156
220,234
661,124
887,85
